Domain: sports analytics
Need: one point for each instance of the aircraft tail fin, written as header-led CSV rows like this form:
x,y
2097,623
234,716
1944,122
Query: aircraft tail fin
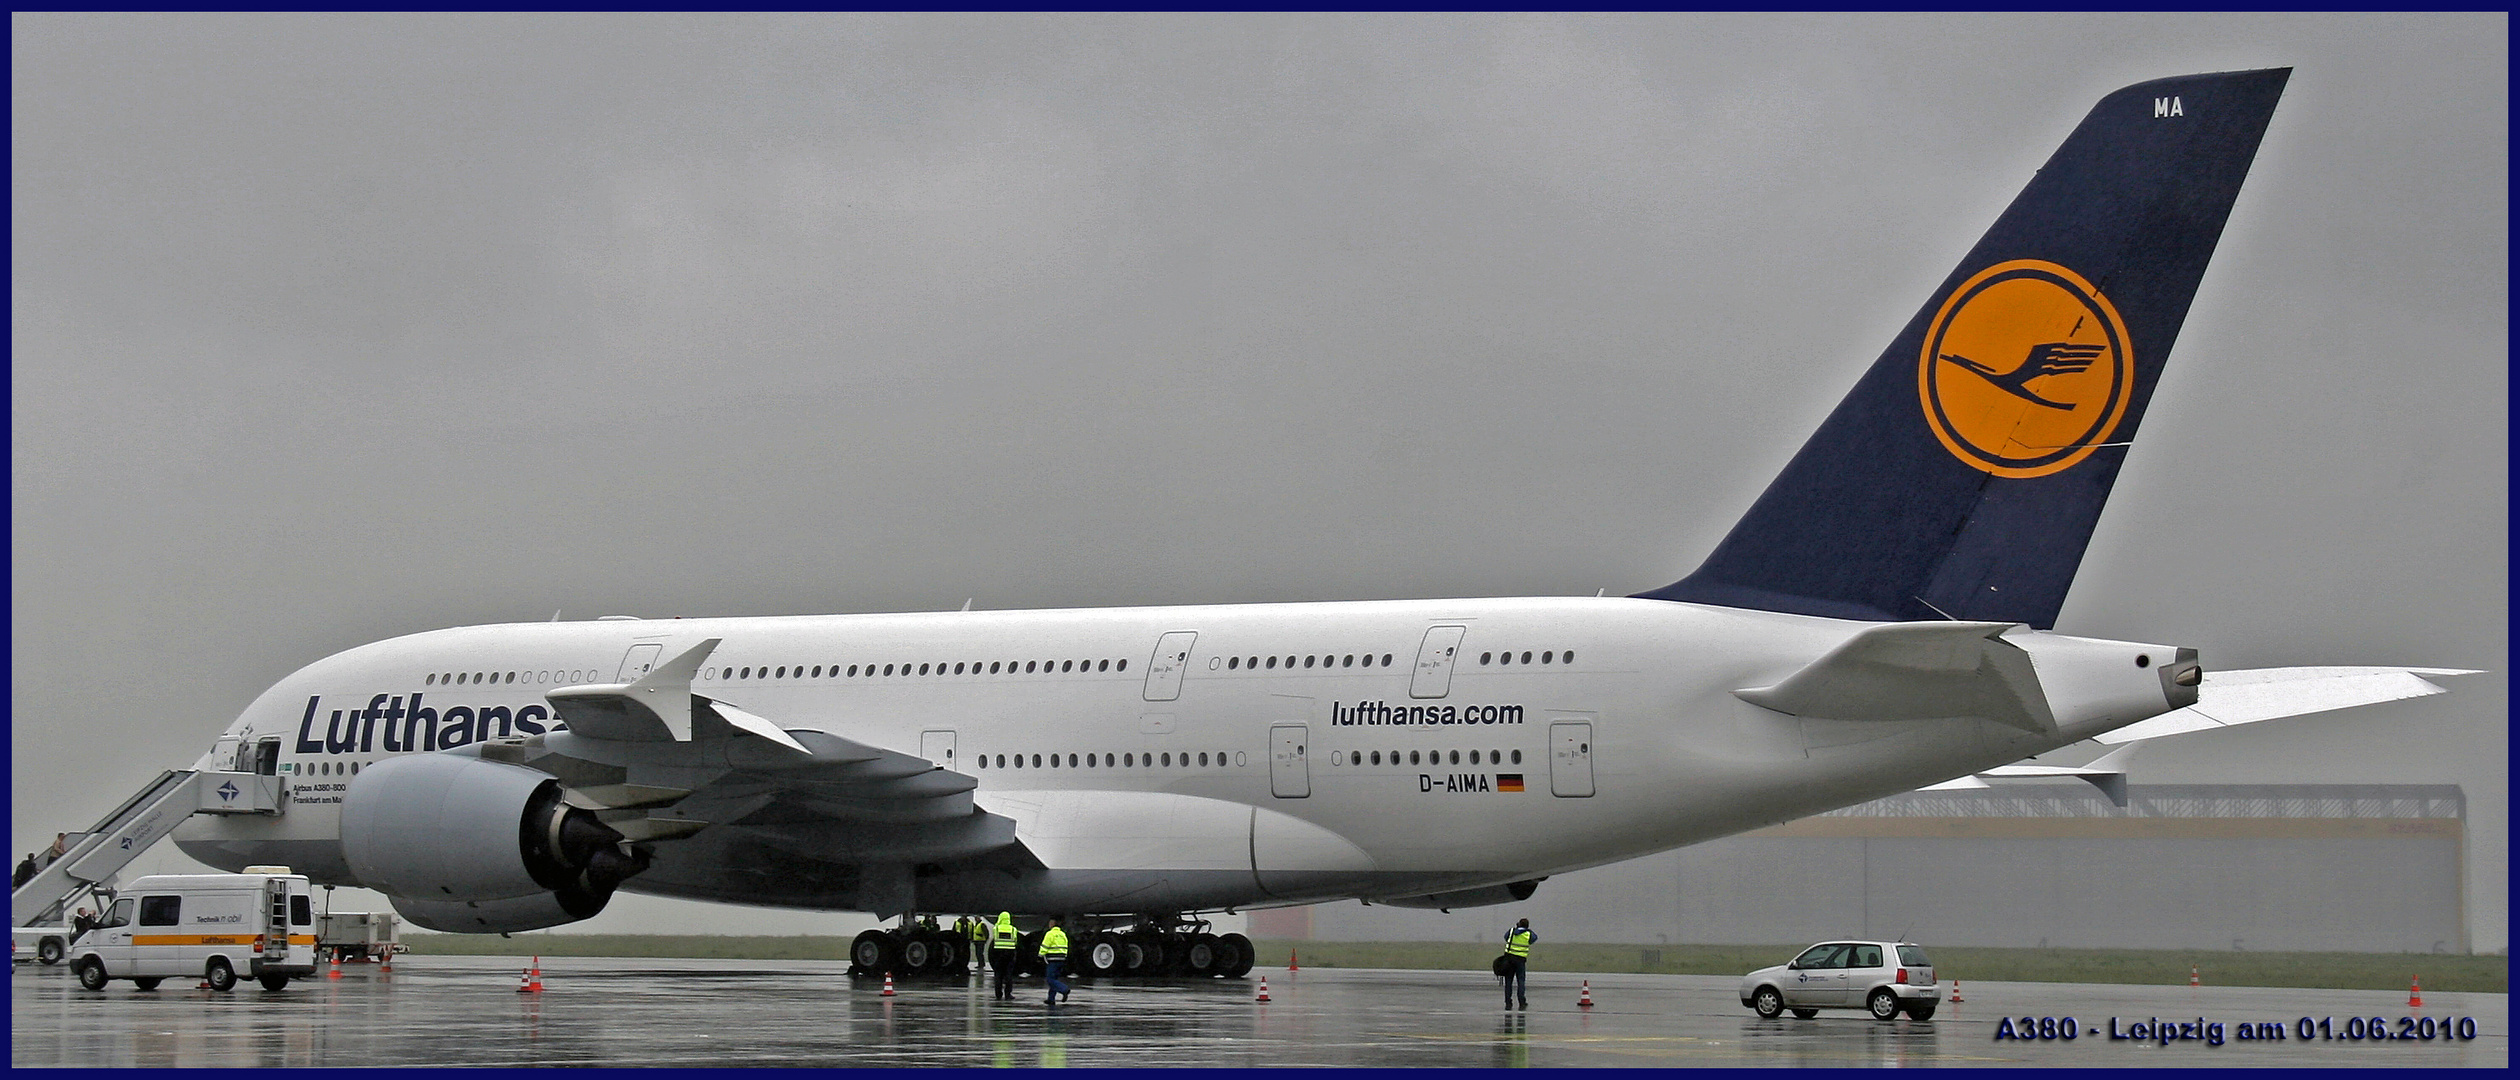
x,y
1963,476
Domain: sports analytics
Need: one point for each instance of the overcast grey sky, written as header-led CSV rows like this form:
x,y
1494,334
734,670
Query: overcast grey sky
x,y
327,329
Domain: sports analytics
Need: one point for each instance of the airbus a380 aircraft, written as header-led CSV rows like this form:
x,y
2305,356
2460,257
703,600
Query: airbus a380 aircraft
x,y
1878,622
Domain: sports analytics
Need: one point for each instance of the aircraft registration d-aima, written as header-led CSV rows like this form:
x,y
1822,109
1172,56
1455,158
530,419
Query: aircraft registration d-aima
x,y
1880,621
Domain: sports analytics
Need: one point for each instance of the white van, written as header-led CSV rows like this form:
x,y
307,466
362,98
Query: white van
x,y
220,927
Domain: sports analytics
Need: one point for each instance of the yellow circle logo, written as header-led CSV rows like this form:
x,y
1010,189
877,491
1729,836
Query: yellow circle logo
x,y
2025,370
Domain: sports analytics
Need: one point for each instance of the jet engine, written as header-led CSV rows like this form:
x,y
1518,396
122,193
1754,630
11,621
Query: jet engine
x,y
1493,894
458,840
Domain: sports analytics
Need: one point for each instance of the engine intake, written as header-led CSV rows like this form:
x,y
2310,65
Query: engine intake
x,y
454,832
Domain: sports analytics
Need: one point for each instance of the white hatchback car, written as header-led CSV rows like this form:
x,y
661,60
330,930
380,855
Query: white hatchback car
x,y
1884,978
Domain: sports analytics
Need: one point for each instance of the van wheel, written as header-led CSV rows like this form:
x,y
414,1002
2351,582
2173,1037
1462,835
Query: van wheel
x,y
91,972
149,983
275,980
1767,1002
222,977
48,951
1883,1004
1806,1014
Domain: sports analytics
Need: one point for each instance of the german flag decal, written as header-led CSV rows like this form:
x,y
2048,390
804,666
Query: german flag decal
x,y
1510,781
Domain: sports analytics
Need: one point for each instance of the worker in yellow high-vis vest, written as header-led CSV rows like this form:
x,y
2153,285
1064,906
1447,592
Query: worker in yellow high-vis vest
x,y
1517,960
978,933
1054,950
1002,954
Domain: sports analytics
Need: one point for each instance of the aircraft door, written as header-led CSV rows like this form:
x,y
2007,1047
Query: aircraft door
x,y
267,758
1290,777
1570,760
1163,672
640,660
938,747
1433,676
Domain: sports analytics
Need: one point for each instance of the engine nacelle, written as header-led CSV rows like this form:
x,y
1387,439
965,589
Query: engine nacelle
x,y
1493,894
445,831
508,916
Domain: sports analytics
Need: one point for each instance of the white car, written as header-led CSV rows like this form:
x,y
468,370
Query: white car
x,y
42,944
1884,978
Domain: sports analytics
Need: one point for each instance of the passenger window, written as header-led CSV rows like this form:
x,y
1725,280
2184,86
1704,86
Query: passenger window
x,y
1485,657
1456,757
161,910
1526,658
1569,658
301,913
1377,757
1233,663
1867,956
1816,957
1413,757
1002,761
1168,761
1308,661
1544,657
1517,757
1124,666
1356,757
1273,663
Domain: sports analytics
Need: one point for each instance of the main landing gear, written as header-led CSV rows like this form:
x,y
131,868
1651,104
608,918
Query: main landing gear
x,y
1147,947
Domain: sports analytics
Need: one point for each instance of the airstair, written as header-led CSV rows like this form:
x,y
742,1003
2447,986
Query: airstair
x,y
95,856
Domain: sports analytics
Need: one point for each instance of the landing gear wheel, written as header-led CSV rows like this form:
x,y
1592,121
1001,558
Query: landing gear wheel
x,y
1923,1010
48,951
1883,1005
1133,958
873,953
917,954
275,980
91,972
1244,956
1767,1003
1806,1014
222,977
1102,955
1201,957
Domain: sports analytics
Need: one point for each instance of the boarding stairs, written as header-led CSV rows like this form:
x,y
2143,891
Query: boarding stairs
x,y
95,856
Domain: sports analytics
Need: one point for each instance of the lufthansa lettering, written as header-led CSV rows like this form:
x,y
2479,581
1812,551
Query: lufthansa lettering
x,y
416,728
1386,714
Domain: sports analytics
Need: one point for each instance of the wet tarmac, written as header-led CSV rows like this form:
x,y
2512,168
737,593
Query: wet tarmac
x,y
446,1010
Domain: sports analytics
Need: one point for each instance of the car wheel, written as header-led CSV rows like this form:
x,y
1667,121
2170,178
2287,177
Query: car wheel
x,y
91,972
48,951
1767,1002
1883,1004
275,980
222,977
1806,1013
1922,1010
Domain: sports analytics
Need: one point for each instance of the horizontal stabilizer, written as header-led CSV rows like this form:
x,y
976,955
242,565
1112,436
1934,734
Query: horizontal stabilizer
x,y
1916,671
2232,698
2108,773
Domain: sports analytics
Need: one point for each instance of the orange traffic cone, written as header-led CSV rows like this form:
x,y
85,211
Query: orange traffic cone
x,y
525,981
1955,992
336,967
388,966
888,990
2193,981
1585,1002
2415,995
1264,988
537,975
1290,959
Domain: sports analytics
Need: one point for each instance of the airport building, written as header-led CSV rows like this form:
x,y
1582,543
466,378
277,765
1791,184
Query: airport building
x,y
2274,867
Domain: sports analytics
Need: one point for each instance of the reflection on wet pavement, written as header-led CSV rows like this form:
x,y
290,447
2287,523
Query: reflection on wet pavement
x,y
444,1010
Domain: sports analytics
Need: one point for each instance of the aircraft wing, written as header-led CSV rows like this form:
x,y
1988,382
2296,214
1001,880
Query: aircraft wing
x,y
2232,698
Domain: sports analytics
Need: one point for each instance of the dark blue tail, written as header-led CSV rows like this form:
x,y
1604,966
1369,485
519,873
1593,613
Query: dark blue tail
x,y
1964,474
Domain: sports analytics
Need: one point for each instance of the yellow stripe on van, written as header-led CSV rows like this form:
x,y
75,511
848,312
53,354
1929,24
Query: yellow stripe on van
x,y
196,939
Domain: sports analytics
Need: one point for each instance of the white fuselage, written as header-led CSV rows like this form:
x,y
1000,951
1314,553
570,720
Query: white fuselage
x,y
1288,708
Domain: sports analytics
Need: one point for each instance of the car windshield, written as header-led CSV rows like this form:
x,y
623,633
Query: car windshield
x,y
1913,956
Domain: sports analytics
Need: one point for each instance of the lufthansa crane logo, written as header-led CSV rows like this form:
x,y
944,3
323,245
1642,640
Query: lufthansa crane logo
x,y
2025,370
